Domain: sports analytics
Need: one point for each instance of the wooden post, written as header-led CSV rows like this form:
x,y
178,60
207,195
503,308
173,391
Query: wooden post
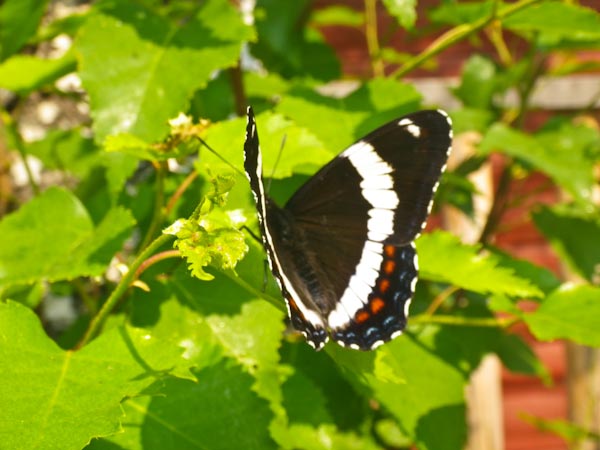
x,y
484,393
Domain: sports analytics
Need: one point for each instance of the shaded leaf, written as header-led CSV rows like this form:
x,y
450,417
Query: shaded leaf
x,y
18,21
218,411
287,47
67,150
574,235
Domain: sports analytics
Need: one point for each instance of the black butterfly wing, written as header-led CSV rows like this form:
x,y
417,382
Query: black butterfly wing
x,y
361,213
344,242
285,252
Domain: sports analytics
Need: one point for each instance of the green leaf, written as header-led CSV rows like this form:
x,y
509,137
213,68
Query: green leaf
x,y
540,276
67,150
24,74
130,144
574,236
210,235
442,257
404,11
410,380
337,15
365,109
119,167
52,237
253,336
556,18
18,21
572,312
471,119
71,397
156,67
323,437
478,83
287,47
219,411
455,13
302,152
570,432
559,153
518,357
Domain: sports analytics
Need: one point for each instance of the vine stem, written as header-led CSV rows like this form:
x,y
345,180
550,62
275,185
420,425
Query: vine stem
x,y
457,34
372,38
464,321
123,285
159,198
155,259
180,190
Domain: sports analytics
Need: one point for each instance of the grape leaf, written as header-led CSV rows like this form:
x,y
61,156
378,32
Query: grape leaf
x,y
571,312
444,258
70,397
52,237
218,411
18,21
157,65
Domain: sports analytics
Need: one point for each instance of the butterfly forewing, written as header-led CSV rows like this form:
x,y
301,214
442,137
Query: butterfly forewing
x,y
342,248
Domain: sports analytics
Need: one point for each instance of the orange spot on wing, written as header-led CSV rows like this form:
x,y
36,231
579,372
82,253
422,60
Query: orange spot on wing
x,y
384,285
389,267
389,250
362,316
377,305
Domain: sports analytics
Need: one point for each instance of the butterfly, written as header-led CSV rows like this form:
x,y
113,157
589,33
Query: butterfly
x,y
342,248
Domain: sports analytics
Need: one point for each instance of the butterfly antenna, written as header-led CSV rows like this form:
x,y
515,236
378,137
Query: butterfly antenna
x,y
276,162
214,152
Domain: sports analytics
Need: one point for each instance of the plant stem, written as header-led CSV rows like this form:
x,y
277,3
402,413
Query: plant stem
x,y
457,34
239,95
248,287
440,298
156,258
8,126
464,321
372,38
120,289
159,199
179,192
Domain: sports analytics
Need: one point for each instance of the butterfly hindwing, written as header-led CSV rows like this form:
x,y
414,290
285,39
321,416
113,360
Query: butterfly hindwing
x,y
342,248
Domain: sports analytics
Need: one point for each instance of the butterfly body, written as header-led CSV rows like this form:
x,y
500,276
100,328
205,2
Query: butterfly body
x,y
342,248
